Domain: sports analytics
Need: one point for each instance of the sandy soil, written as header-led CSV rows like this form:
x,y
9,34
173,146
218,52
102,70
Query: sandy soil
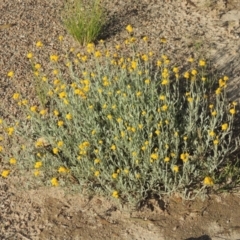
x,y
192,28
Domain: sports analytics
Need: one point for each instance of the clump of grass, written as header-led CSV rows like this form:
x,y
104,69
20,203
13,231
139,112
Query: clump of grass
x,y
127,126
84,19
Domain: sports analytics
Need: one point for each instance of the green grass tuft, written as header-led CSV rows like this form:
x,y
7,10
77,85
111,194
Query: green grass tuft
x,y
84,20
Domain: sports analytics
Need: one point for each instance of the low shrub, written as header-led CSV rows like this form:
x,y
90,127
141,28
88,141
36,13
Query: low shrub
x,y
131,126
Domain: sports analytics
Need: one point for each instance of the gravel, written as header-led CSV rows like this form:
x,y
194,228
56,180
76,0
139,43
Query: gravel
x,y
192,28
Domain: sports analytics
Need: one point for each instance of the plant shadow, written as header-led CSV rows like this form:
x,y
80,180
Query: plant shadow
x,y
203,237
115,23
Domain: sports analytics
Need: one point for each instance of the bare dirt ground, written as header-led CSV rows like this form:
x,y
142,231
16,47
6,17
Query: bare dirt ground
x,y
50,213
199,28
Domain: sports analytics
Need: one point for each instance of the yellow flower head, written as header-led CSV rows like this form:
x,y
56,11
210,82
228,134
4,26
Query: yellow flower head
x,y
24,102
175,168
97,173
16,96
55,72
43,112
29,55
194,72
84,58
129,28
60,143
97,160
166,159
38,164
164,82
109,117
218,91
54,58
175,69
36,73
37,66
145,39
118,46
138,93
62,94
164,107
41,142
133,65
162,97
191,60
54,182
39,44
10,74
115,194
90,47
56,113
214,113
202,63
157,132
212,133
60,123
224,126
154,156
138,175
55,150
113,147
232,111
60,38
50,93
36,173
98,54
44,79
186,75
144,57
5,173
225,78
166,62
184,157
86,144
63,170
114,175
12,161
208,181
221,83
68,116
147,81
159,63
33,108
10,131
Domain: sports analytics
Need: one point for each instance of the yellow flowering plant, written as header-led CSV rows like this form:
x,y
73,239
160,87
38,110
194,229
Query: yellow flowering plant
x,y
129,126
